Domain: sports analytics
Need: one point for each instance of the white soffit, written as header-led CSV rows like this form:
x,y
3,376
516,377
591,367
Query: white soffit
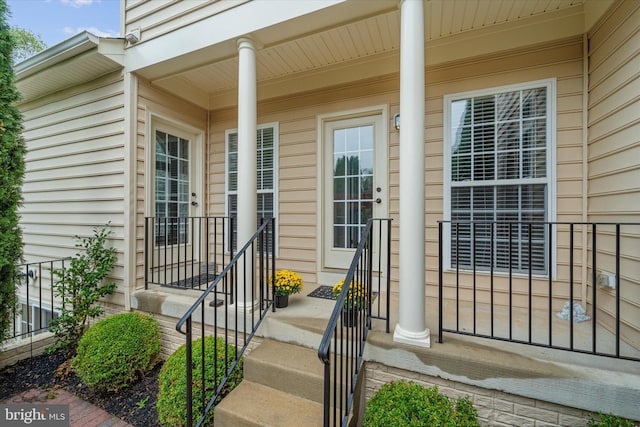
x,y
377,35
77,60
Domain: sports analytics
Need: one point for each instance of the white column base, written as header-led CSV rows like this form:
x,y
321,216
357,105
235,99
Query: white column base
x,y
421,339
246,307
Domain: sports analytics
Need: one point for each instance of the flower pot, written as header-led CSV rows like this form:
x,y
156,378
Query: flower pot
x,y
282,301
349,317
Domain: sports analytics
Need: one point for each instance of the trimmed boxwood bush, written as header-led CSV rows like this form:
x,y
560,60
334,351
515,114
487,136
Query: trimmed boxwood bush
x,y
116,350
172,384
407,404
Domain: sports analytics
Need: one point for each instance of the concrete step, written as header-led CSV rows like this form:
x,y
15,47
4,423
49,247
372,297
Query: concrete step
x,y
256,405
286,367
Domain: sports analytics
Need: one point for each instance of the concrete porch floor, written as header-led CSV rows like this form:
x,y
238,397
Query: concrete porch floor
x,y
583,381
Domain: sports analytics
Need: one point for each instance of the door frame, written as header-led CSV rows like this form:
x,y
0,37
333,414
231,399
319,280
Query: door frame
x,y
196,160
328,275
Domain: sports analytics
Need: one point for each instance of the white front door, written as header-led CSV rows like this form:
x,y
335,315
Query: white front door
x,y
355,183
176,194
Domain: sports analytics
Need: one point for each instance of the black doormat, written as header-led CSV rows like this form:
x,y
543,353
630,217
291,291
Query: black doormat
x,y
322,291
201,280
326,292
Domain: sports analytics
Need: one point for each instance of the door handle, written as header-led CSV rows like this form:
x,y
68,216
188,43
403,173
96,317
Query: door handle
x,y
378,200
194,203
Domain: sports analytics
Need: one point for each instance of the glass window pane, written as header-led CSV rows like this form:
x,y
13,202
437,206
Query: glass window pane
x,y
339,165
172,145
534,103
339,189
366,138
484,109
339,141
339,213
366,162
508,105
339,236
353,165
184,149
366,187
352,139
352,188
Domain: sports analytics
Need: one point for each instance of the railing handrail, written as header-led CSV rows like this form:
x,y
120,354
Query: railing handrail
x,y
589,264
325,344
222,274
349,324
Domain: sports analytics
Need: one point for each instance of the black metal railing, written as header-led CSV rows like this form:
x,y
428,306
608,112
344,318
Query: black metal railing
x,y
342,347
37,305
560,285
232,315
186,252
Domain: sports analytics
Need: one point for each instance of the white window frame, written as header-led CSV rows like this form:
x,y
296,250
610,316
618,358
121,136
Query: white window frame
x,y
550,85
276,144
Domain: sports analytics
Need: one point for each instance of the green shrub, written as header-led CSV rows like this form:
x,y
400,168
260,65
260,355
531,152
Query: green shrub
x,y
172,384
80,285
406,404
609,420
116,350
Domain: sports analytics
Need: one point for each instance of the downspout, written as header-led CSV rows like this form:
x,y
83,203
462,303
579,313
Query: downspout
x,y
585,166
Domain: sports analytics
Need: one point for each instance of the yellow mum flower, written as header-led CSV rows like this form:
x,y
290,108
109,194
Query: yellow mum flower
x,y
286,282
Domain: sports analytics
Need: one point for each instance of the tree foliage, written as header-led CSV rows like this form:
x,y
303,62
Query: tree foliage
x,y
27,44
12,151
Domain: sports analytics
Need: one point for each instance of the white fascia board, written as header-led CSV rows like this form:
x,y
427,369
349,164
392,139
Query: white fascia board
x,y
112,48
229,25
71,47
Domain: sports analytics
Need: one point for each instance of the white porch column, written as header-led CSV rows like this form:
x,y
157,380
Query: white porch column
x,y
411,328
247,146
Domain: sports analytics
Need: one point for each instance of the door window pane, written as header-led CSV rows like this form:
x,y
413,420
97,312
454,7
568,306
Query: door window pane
x,y
172,183
353,183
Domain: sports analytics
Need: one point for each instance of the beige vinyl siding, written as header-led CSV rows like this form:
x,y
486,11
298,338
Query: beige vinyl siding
x,y
298,162
614,157
561,60
74,177
298,169
157,102
158,17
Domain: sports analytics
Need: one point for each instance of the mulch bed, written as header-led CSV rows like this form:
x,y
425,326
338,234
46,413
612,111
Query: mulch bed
x,y
135,404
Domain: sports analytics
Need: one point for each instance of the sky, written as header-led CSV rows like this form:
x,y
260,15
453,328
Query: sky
x,y
57,20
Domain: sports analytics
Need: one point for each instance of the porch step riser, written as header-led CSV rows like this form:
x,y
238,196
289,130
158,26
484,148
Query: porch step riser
x,y
289,368
282,387
255,405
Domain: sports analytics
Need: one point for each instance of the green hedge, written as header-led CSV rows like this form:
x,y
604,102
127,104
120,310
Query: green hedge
x,y
407,404
116,350
172,384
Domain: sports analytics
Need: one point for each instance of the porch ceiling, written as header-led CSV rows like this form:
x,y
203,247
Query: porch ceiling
x,y
370,38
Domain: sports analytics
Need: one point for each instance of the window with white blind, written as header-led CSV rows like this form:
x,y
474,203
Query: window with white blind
x,y
498,170
267,153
